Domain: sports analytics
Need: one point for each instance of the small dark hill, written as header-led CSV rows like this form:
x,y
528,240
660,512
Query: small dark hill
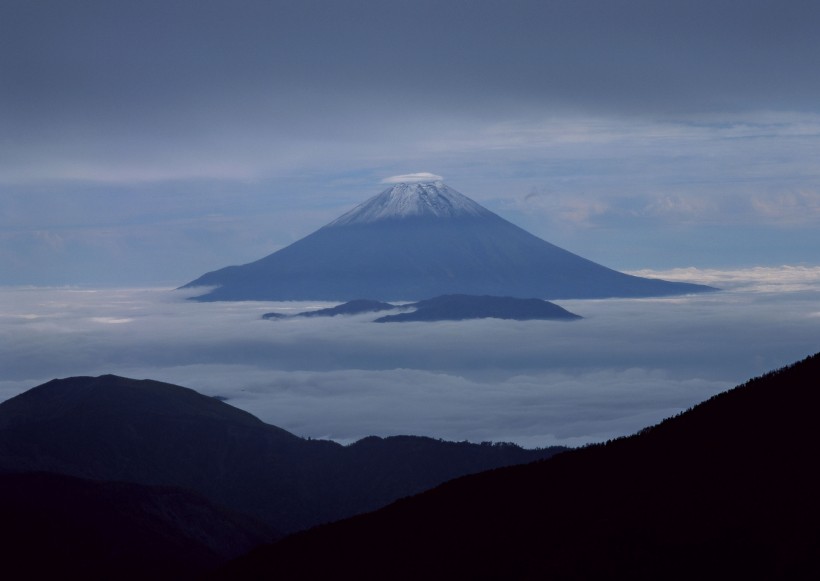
x,y
153,433
463,307
727,490
56,525
355,307
274,316
448,308
112,428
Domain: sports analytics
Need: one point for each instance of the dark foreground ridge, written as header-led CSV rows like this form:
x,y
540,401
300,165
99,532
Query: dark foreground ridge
x,y
448,308
61,526
420,240
203,472
728,489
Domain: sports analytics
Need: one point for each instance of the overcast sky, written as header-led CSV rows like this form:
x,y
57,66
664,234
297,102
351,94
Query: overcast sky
x,y
145,143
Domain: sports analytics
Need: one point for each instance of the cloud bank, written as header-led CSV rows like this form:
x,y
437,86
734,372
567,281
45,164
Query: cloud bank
x,y
628,364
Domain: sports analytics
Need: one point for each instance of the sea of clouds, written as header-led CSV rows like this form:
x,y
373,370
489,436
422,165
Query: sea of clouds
x,y
626,365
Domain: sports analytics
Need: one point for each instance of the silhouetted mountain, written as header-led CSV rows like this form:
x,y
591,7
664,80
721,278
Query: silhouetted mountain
x,y
152,433
727,490
461,307
56,526
418,240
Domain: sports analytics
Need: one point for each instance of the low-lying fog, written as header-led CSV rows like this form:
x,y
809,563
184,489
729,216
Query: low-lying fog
x,y
627,364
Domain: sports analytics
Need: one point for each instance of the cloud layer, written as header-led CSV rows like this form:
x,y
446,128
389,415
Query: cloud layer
x,y
628,364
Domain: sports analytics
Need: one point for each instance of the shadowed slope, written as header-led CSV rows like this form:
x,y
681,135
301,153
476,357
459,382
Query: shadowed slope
x,y
148,432
415,241
59,526
725,490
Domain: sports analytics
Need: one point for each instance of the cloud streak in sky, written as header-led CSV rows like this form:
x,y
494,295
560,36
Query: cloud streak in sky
x,y
240,90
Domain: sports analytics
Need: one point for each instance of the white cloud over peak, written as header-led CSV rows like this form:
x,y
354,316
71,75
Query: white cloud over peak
x,y
413,178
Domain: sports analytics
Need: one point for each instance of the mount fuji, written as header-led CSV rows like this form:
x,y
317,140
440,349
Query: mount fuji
x,y
419,239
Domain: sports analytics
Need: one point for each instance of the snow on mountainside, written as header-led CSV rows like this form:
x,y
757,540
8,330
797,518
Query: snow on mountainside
x,y
405,200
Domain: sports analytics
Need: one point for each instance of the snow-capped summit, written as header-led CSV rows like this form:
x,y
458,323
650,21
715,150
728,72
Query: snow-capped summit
x,y
412,199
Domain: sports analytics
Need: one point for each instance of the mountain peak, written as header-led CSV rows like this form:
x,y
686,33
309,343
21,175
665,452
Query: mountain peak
x,y
417,239
413,199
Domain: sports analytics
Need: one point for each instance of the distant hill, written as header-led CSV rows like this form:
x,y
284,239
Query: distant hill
x,y
274,316
420,240
462,307
355,307
727,490
447,308
112,428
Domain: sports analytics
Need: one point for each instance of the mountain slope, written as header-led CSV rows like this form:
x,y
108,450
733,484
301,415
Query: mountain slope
x,y
725,490
420,240
152,433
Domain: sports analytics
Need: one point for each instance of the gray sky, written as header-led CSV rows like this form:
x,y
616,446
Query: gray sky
x,y
148,142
